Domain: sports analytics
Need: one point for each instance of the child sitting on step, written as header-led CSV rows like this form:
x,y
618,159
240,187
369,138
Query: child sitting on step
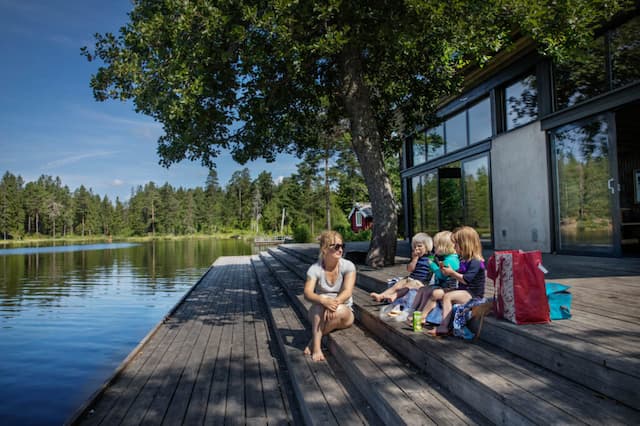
x,y
418,268
471,276
428,296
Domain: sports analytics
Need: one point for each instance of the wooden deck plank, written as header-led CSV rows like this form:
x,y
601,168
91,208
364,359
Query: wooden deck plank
x,y
157,392
184,388
174,393
436,403
198,403
235,393
145,379
277,410
112,393
216,406
256,410
387,396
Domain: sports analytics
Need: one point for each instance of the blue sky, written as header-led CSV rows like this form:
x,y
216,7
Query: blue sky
x,y
49,122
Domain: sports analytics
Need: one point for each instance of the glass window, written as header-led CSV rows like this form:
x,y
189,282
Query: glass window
x,y
582,176
477,203
625,53
419,149
480,121
582,76
416,184
430,203
425,203
450,194
456,132
358,219
435,142
521,102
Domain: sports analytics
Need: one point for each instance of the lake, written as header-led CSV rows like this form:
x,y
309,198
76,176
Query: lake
x,y
70,314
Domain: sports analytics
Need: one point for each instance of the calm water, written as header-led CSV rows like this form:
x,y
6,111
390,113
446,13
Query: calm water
x,y
70,314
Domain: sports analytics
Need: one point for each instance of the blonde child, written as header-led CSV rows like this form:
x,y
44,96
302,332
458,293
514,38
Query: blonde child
x,y
418,268
428,296
471,276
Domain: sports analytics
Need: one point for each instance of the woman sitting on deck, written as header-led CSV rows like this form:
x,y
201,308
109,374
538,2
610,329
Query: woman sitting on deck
x,y
329,287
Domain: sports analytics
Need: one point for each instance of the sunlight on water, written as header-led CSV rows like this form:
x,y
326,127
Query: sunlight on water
x,y
68,318
62,249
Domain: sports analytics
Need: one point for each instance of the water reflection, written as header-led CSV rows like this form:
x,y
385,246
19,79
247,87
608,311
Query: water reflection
x,y
68,318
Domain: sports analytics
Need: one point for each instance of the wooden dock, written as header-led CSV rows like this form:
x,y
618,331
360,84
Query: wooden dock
x,y
231,353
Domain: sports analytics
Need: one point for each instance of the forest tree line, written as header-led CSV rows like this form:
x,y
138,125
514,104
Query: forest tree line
x,y
47,207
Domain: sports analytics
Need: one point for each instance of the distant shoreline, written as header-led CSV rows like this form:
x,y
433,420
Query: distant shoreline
x,y
105,239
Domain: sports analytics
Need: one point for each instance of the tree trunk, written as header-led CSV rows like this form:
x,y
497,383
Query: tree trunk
x,y
367,146
327,194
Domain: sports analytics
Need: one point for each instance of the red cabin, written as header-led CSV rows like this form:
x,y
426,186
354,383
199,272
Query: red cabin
x,y
361,217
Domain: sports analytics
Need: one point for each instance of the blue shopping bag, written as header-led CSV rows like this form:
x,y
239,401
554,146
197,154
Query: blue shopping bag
x,y
559,300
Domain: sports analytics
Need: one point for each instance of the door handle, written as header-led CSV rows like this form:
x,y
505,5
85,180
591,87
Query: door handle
x,y
611,185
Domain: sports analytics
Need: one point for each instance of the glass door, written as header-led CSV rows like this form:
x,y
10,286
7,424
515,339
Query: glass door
x,y
450,196
425,203
477,199
585,187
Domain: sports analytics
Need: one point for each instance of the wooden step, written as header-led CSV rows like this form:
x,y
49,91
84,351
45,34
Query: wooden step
x,y
398,392
504,387
321,397
590,341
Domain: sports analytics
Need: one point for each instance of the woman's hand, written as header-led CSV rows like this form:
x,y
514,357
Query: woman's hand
x,y
330,304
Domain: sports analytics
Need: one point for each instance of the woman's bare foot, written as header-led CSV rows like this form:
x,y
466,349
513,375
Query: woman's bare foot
x,y
307,349
317,356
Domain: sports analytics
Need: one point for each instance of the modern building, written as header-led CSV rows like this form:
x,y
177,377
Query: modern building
x,y
536,155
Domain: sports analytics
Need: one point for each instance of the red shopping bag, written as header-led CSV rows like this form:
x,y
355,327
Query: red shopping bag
x,y
520,288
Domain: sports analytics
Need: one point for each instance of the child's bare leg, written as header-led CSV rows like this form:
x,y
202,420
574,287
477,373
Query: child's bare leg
x,y
436,295
390,293
457,296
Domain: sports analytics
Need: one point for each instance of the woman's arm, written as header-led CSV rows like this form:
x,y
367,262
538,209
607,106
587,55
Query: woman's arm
x,y
348,282
310,294
309,290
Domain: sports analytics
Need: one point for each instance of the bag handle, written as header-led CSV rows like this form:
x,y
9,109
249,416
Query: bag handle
x,y
498,291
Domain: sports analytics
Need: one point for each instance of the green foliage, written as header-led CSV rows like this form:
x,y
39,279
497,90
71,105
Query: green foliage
x,y
261,78
302,234
349,235
45,207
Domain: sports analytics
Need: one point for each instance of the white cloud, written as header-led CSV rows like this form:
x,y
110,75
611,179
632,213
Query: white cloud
x,y
65,161
117,182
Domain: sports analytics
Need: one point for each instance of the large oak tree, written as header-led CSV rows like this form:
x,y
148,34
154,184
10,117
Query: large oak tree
x,y
265,77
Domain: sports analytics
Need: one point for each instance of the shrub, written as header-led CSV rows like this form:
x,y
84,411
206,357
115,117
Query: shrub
x,y
301,234
349,235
